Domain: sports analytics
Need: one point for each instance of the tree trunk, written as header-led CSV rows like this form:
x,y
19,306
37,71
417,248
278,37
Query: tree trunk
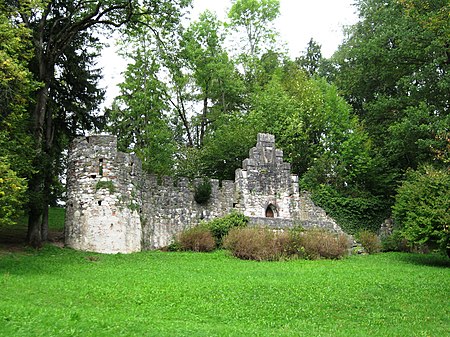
x,y
44,224
37,181
203,121
34,237
48,169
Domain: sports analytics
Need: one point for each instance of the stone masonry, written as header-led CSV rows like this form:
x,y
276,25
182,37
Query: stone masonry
x,y
115,207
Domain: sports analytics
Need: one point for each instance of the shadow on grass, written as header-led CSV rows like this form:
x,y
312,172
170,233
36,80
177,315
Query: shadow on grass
x,y
431,260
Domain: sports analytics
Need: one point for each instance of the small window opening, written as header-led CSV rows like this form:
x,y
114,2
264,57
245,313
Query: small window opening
x,y
99,202
93,176
100,167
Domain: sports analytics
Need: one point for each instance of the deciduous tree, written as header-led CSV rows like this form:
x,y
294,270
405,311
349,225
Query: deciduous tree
x,y
55,25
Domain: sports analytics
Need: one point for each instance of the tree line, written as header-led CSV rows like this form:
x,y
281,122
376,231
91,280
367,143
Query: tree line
x,y
367,129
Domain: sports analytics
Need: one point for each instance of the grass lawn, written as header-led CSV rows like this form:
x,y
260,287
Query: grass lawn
x,y
61,292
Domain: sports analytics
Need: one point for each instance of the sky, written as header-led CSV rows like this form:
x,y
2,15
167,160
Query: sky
x,y
299,21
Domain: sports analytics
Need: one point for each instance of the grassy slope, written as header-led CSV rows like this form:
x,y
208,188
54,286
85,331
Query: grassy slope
x,y
60,292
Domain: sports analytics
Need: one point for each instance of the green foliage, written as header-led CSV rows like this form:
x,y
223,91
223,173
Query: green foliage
x,y
16,82
394,69
220,227
254,18
202,192
396,242
12,194
422,207
212,294
197,239
370,241
16,87
311,59
352,212
105,184
224,150
138,115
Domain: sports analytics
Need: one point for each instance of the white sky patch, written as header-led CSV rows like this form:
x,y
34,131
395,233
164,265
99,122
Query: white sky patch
x,y
299,21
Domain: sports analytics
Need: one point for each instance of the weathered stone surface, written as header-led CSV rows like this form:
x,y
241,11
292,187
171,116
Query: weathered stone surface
x,y
113,206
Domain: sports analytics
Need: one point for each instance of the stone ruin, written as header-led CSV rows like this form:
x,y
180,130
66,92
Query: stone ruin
x,y
115,207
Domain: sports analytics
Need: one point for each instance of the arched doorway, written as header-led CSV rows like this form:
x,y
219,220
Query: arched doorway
x,y
270,211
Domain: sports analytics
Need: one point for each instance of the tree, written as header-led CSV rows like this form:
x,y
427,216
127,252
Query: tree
x,y
224,149
253,19
16,86
311,59
138,116
324,142
422,207
256,18
55,25
217,82
394,70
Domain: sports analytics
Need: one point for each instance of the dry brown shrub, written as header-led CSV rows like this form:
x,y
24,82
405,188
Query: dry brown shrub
x,y
318,243
197,239
255,243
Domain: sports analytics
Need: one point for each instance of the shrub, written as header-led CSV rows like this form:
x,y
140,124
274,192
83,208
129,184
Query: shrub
x,y
319,243
421,207
255,243
370,241
197,239
203,192
221,226
396,242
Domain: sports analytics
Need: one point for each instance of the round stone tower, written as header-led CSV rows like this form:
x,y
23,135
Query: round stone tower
x,y
102,211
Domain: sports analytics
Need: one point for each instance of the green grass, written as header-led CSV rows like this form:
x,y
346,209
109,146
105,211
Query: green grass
x,y
56,217
61,292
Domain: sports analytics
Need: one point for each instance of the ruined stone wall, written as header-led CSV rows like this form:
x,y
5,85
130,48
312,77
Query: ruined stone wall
x,y
113,206
170,207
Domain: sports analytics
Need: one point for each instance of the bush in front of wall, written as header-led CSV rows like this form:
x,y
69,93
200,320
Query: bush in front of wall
x,y
370,241
221,226
319,243
197,239
256,243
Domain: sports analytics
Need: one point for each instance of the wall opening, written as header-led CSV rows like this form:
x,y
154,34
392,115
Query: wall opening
x,y
100,167
270,211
